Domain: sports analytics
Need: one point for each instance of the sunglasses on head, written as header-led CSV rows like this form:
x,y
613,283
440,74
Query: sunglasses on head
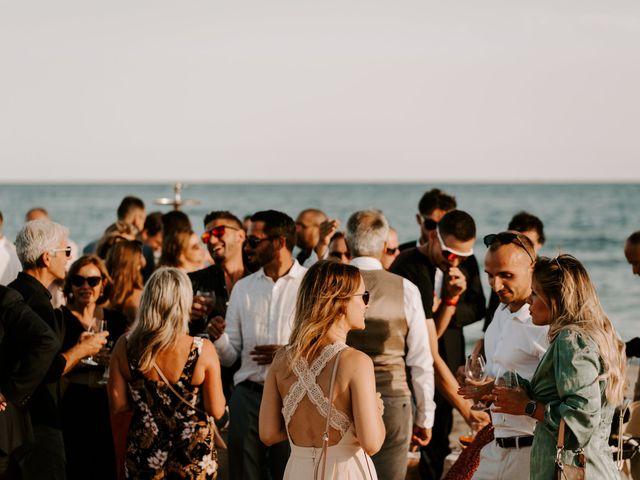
x,y
365,296
449,253
217,232
78,281
429,224
506,238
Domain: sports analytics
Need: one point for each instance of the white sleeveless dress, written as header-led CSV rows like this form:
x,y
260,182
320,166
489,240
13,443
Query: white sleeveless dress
x,y
346,459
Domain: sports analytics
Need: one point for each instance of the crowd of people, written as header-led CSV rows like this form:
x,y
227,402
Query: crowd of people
x,y
272,348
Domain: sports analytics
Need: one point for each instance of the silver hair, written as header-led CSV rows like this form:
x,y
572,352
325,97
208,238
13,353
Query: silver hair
x,y
36,238
162,316
367,230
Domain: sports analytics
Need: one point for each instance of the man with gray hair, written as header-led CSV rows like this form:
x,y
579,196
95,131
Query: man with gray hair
x,y
395,337
43,251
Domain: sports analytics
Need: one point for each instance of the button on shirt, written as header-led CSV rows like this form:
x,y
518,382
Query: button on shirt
x,y
260,312
418,359
513,342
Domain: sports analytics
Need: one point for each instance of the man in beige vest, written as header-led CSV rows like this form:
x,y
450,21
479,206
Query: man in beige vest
x,y
395,337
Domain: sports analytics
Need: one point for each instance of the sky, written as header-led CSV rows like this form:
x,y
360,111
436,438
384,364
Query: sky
x,y
324,90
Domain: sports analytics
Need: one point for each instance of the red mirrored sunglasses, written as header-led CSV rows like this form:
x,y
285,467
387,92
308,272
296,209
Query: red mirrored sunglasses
x,y
217,232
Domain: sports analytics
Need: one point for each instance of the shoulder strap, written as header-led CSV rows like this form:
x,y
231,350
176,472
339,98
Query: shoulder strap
x,y
560,444
325,435
216,432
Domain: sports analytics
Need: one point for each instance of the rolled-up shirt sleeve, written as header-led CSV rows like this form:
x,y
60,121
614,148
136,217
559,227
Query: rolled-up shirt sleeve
x,y
419,359
229,345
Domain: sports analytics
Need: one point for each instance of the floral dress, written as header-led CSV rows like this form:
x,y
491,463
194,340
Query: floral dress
x,y
166,438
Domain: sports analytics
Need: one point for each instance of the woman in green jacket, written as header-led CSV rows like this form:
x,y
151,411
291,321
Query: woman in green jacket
x,y
580,378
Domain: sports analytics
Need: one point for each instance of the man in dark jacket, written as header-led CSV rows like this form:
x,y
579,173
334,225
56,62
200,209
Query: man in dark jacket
x,y
27,347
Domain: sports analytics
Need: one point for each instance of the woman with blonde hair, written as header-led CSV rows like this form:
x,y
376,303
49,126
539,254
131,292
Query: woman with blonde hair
x,y
580,379
169,379
125,262
318,405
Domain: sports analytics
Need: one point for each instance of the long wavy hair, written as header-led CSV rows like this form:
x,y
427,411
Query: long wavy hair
x,y
173,247
322,299
124,263
163,315
574,305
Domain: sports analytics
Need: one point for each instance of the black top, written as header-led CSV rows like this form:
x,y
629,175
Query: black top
x,y
43,405
212,280
417,268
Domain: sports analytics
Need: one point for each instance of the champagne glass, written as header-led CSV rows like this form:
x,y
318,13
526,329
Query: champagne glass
x,y
507,379
105,376
96,326
209,297
475,371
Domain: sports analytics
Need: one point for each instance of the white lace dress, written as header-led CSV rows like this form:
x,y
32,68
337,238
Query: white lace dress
x,y
346,459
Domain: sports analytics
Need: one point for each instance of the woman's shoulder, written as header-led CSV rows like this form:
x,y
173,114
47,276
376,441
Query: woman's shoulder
x,y
571,342
355,358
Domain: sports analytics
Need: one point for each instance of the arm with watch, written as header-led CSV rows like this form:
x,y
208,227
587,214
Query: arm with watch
x,y
516,401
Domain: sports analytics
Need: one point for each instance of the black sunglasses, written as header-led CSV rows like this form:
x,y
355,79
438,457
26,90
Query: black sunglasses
x,y
365,296
78,281
339,255
253,241
429,223
391,251
506,238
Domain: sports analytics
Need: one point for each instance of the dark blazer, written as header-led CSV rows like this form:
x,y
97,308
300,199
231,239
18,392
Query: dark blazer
x,y
27,348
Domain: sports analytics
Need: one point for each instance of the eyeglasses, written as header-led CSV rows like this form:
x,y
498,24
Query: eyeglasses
x,y
429,223
66,250
79,281
506,238
217,232
254,241
391,251
449,253
365,296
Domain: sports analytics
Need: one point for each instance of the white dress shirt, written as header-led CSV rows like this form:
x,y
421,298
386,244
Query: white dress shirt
x,y
260,312
513,342
9,263
419,358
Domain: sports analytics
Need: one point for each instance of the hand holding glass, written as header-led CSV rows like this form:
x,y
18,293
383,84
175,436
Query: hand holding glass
x,y
96,326
475,372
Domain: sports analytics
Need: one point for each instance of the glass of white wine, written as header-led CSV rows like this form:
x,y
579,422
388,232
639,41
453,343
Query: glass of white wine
x,y
475,371
96,326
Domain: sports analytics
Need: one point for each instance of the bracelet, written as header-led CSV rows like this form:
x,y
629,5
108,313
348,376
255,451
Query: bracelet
x,y
451,302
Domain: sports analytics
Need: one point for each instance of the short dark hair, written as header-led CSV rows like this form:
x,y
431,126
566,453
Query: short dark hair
x,y
277,224
459,224
127,205
224,215
153,223
436,199
175,220
524,222
634,238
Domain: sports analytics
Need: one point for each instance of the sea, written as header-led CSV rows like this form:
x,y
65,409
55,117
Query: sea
x,y
589,221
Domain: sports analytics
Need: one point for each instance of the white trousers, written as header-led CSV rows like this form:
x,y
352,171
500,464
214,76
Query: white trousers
x,y
497,463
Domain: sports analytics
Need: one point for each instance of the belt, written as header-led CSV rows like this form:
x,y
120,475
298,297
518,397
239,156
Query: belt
x,y
252,386
515,442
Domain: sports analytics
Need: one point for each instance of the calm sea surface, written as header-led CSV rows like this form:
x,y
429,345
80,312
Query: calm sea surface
x,y
588,221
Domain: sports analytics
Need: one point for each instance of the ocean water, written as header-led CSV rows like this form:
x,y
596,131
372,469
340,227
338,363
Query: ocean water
x,y
590,221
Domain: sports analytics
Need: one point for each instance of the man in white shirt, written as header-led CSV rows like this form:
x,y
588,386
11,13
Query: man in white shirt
x,y
511,343
9,262
396,339
259,321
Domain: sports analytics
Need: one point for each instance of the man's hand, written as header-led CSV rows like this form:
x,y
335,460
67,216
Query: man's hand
x,y
420,438
3,403
477,392
327,229
263,354
216,327
91,343
477,419
455,283
201,307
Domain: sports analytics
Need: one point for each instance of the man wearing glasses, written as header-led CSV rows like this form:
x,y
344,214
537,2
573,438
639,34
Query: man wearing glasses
x,y
452,297
259,321
43,251
395,337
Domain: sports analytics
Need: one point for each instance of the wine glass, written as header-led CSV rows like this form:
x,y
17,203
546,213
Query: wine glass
x,y
475,371
96,326
209,301
105,375
507,379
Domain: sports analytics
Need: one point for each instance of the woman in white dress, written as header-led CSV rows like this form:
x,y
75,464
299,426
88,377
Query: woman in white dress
x,y
331,301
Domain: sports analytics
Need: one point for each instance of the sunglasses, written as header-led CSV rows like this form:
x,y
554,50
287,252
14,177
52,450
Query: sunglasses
x,y
66,250
391,251
217,232
429,224
449,253
253,241
506,238
79,281
365,296
340,255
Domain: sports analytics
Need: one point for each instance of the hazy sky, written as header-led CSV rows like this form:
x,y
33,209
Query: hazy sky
x,y
319,90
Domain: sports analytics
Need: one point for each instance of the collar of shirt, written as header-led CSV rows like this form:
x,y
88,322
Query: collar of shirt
x,y
522,314
366,263
295,271
34,284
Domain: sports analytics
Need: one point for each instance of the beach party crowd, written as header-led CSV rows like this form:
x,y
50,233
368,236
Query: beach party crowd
x,y
271,348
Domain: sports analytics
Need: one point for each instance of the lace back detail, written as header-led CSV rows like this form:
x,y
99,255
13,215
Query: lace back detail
x,y
306,385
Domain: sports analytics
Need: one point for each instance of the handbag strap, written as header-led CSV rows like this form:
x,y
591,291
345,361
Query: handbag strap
x,y
216,432
325,435
560,444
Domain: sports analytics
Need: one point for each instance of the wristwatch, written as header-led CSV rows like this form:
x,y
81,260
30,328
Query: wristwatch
x,y
530,409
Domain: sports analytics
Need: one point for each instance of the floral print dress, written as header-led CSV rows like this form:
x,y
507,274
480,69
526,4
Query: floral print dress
x,y
166,438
